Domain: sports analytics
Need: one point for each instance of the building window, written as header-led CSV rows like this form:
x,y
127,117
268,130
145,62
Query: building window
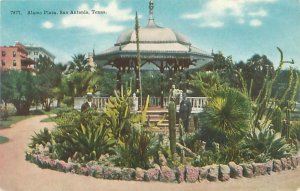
x,y
3,62
14,63
36,53
3,53
14,53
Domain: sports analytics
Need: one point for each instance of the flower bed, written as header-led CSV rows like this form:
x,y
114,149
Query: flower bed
x,y
188,173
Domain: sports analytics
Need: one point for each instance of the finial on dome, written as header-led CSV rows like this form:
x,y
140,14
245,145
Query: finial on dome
x,y
151,22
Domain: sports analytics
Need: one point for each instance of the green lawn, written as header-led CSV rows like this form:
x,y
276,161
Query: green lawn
x,y
3,139
11,120
49,119
14,119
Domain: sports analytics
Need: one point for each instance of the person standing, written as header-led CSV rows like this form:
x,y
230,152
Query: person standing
x,y
185,110
89,103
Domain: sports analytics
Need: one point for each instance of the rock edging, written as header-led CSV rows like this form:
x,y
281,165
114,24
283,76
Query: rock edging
x,y
182,173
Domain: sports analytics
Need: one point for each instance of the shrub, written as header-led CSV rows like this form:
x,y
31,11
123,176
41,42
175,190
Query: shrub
x,y
6,111
117,113
82,136
206,158
228,113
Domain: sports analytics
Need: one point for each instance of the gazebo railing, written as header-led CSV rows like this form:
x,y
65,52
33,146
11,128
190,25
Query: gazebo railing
x,y
197,102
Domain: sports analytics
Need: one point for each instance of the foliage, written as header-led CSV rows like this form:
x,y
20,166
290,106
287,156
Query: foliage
x,y
80,79
277,120
18,88
139,149
79,64
117,113
206,82
6,110
108,83
254,72
43,137
77,83
206,158
48,80
228,112
264,103
60,111
149,78
82,136
262,145
295,131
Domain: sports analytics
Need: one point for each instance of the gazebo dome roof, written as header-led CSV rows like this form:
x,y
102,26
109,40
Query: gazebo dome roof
x,y
152,34
156,44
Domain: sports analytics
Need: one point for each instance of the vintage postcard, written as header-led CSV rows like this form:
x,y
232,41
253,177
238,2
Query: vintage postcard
x,y
150,95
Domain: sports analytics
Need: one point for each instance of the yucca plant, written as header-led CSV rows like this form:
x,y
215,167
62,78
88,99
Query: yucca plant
x,y
265,144
117,113
228,112
141,146
83,139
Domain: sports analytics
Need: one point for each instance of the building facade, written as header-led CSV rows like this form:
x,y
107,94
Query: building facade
x,y
34,52
16,57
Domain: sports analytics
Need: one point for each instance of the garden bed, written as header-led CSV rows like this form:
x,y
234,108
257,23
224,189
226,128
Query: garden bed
x,y
183,173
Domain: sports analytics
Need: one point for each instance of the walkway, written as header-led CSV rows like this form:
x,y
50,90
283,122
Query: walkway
x,y
16,174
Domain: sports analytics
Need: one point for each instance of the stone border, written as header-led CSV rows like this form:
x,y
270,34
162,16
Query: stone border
x,y
180,174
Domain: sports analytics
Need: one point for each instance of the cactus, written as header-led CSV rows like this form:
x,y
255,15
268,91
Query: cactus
x,y
172,127
265,104
277,123
288,124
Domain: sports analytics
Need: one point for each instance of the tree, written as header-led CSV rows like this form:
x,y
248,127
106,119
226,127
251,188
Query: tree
x,y
206,82
254,72
48,80
18,88
79,64
79,78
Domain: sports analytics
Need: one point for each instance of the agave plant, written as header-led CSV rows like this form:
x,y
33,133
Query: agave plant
x,y
43,137
264,144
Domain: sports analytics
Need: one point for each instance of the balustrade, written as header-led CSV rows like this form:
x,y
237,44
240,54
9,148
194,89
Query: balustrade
x,y
197,102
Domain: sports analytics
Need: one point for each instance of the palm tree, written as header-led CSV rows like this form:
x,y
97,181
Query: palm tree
x,y
79,63
205,82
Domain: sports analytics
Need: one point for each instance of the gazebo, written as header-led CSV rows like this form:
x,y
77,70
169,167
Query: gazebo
x,y
160,48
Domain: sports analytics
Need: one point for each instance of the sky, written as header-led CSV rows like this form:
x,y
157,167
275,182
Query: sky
x,y
237,28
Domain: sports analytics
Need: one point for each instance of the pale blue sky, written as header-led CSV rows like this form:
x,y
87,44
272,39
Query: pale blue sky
x,y
239,28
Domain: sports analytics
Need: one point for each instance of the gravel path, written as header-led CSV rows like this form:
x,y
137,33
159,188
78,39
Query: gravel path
x,y
17,174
